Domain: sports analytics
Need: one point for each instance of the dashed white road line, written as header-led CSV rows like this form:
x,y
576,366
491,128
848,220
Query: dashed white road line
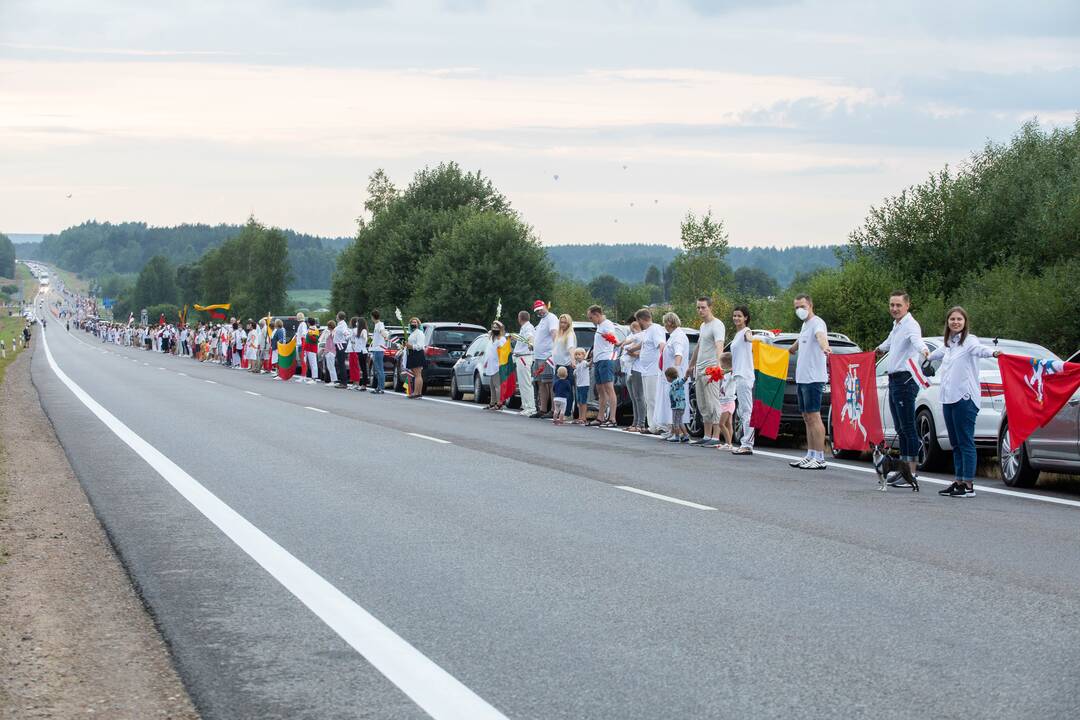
x,y
212,382
182,374
318,410
667,498
428,437
437,692
252,393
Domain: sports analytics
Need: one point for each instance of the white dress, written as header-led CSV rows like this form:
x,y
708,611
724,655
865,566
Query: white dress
x,y
677,344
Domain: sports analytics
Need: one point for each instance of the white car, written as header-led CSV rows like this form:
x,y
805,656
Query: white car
x,y
929,420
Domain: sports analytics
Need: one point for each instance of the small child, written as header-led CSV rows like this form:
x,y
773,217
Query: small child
x,y
727,401
581,383
561,395
677,395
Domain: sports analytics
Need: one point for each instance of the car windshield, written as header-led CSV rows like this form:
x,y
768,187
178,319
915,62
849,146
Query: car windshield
x,y
454,338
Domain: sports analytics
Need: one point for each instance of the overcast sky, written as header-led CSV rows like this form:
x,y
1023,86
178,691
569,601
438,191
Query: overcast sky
x,y
789,119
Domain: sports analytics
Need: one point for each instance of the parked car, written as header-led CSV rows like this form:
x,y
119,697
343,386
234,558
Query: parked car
x,y
467,375
1054,447
446,342
929,420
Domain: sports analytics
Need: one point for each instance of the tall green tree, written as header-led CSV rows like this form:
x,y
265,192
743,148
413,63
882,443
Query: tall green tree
x,y
156,284
652,276
700,268
753,282
7,257
605,288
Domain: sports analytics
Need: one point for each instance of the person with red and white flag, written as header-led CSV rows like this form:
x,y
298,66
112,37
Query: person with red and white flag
x,y
960,393
905,346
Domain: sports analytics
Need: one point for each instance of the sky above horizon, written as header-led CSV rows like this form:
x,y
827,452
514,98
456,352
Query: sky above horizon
x,y
601,121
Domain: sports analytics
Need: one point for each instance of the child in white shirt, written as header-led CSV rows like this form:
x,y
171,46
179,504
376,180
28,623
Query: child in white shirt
x,y
727,401
581,385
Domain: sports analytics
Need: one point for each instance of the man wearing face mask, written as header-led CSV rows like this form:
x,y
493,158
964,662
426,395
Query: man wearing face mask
x,y
811,374
904,345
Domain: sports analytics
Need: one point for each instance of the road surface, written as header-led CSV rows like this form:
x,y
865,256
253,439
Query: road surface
x,y
316,553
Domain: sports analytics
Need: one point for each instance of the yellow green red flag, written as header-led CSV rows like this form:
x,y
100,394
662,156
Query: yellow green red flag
x,y
770,378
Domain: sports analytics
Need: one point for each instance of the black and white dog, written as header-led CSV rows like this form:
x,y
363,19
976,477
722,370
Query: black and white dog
x,y
885,465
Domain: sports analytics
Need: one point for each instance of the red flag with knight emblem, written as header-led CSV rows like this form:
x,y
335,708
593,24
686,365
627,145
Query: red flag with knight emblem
x,y
856,420
1035,390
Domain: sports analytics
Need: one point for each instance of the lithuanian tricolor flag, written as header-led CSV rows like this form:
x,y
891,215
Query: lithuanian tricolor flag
x,y
770,377
216,311
286,359
507,372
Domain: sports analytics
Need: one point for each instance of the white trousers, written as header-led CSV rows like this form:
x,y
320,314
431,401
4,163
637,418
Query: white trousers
x,y
744,392
312,360
525,383
331,367
648,385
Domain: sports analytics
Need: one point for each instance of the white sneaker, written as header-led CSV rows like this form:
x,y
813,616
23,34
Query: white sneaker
x,y
815,464
801,463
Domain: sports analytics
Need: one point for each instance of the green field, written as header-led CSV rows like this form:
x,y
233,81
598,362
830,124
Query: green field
x,y
310,299
9,327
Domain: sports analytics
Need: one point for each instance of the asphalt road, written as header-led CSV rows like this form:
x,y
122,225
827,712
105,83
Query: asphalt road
x,y
509,557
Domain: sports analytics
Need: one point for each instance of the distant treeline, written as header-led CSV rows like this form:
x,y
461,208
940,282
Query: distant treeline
x,y
629,263
95,250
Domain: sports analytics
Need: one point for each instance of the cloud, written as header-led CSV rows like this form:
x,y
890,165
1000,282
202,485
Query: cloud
x,y
712,8
1049,90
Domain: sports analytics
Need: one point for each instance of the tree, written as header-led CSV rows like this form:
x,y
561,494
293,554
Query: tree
x,y
652,276
7,257
505,262
753,282
700,268
605,288
381,192
264,287
631,298
571,297
156,284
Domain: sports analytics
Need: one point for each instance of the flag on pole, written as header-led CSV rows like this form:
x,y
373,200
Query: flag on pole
x,y
770,377
507,373
856,421
286,359
216,311
1035,390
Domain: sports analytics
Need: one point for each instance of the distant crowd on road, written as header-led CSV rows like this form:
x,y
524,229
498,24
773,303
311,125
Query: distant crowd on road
x,y
555,378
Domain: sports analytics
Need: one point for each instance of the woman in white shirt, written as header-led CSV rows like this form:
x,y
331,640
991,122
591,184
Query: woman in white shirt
x,y
491,366
960,393
415,360
562,351
675,352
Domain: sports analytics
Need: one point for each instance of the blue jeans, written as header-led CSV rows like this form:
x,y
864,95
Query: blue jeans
x,y
960,423
380,370
902,392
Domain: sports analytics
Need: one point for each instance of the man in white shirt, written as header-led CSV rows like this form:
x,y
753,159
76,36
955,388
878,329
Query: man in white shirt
x,y
543,346
648,362
523,357
301,333
379,336
342,334
811,374
905,347
707,354
604,347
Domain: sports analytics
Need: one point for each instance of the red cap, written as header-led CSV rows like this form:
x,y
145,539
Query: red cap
x,y
539,304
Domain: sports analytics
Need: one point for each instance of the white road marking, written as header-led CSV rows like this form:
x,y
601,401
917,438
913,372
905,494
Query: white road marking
x,y
252,393
182,374
212,382
457,403
432,439
318,410
146,364
658,496
438,693
161,368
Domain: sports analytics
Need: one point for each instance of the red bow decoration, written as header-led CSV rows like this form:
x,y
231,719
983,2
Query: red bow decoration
x,y
776,331
610,337
715,373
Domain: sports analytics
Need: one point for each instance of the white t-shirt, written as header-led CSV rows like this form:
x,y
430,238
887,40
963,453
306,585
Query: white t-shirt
x,y
727,388
562,352
528,332
648,361
710,333
742,356
602,348
581,375
626,360
301,331
678,346
378,337
810,363
417,339
491,357
359,342
545,336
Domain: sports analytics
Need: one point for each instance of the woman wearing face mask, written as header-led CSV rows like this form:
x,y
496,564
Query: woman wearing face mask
x,y
960,393
415,358
491,366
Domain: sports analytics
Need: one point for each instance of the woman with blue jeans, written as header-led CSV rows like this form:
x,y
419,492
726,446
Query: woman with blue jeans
x,y
960,393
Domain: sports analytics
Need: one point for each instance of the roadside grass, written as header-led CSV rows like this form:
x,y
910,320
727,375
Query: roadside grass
x,y
310,299
27,281
71,280
10,327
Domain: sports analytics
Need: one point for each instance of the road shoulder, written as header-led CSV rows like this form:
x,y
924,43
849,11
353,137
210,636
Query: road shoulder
x,y
75,639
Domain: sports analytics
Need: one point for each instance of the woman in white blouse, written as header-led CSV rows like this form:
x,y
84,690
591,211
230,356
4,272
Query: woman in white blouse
x,y
415,358
960,393
675,352
562,352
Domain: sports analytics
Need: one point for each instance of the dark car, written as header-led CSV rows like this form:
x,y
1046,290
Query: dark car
x,y
446,342
390,354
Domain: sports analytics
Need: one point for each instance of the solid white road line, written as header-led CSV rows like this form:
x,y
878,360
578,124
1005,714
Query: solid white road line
x,y
252,393
428,437
437,692
658,496
318,410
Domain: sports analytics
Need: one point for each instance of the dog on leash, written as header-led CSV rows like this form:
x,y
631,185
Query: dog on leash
x,y
885,465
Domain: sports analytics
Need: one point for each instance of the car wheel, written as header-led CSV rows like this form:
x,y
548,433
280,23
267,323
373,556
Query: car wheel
x,y
478,394
930,453
1016,471
455,392
841,454
399,385
695,427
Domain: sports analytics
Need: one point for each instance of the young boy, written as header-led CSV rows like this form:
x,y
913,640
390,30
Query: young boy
x,y
581,385
677,396
561,391
727,401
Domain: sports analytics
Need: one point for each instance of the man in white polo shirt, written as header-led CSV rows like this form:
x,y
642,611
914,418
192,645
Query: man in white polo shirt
x,y
543,345
905,347
523,357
